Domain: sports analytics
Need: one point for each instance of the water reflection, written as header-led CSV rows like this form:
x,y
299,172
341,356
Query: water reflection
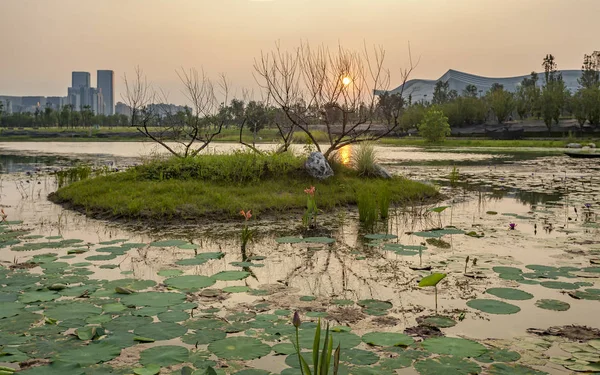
x,y
345,154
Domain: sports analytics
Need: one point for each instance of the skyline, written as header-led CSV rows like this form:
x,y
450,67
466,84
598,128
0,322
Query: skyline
x,y
464,35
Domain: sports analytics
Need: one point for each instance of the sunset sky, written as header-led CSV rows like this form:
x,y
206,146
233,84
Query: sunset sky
x,y
42,41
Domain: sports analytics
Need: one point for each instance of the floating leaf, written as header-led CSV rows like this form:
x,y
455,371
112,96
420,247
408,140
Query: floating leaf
x,y
552,304
89,355
437,321
166,355
231,275
289,239
150,369
559,285
161,331
512,369
203,336
173,316
241,348
169,273
324,240
493,306
499,355
153,299
510,294
454,346
387,339
190,282
236,289
439,209
308,298
447,366
168,243
284,349
381,236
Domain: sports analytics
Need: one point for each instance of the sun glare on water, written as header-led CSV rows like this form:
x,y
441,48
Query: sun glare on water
x,y
346,81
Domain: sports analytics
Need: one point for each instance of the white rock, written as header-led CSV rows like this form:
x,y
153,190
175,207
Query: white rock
x,y
317,166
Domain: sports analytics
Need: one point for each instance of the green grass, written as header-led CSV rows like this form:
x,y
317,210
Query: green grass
x,y
139,194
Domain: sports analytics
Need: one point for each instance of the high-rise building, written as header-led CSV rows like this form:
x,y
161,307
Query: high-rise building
x,y
81,79
106,86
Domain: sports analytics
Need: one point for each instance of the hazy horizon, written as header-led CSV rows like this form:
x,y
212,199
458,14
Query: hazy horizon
x,y
44,41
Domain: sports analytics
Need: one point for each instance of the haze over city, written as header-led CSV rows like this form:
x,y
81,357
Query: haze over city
x,y
44,41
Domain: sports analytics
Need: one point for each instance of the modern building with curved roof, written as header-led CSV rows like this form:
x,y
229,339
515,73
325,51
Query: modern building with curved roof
x,y
422,89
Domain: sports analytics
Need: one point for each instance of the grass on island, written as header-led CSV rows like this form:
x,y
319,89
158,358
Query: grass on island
x,y
219,186
480,142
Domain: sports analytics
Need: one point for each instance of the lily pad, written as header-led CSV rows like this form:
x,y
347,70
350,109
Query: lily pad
x,y
492,306
387,339
552,304
289,239
169,273
231,275
437,321
161,331
150,369
381,236
324,240
241,348
89,355
358,357
499,355
190,282
236,289
447,366
454,346
510,294
153,299
168,243
166,355
559,285
204,336
513,369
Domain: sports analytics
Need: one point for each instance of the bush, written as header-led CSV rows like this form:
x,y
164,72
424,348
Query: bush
x,y
364,158
367,208
434,127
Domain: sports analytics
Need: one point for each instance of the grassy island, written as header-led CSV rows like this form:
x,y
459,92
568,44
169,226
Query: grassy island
x,y
217,187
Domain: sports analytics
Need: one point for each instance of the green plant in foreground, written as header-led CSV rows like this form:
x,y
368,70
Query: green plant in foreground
x,y
432,280
367,208
364,159
383,200
454,176
247,233
310,215
434,127
321,358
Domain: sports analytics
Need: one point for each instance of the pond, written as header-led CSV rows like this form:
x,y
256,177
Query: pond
x,y
231,309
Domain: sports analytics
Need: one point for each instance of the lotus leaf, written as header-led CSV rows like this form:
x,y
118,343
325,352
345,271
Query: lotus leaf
x,y
493,306
387,339
168,243
153,299
510,294
454,346
324,240
499,355
150,369
166,355
559,285
242,348
204,336
289,239
160,331
552,304
437,321
381,236
358,357
90,354
512,369
190,282
173,316
169,273
447,366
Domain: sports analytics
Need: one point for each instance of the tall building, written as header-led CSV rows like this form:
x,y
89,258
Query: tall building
x,y
81,79
106,86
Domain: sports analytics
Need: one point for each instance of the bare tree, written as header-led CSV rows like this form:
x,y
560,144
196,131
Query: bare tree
x,y
337,90
184,133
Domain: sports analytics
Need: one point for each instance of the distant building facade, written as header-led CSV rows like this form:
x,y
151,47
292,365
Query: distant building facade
x,y
106,87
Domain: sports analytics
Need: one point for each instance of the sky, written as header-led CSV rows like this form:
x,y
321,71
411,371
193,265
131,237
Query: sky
x,y
43,41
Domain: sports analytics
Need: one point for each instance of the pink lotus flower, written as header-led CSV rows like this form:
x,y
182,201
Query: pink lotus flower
x,y
512,226
247,215
310,191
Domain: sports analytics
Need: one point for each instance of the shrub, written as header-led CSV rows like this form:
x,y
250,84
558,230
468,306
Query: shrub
x,y
434,127
367,208
364,158
383,199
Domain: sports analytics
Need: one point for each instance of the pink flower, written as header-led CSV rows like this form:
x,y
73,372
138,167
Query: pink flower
x,y
246,215
512,226
310,191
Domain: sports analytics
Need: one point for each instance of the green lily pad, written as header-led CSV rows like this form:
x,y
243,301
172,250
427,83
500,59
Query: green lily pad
x,y
191,262
169,273
342,302
552,304
289,239
323,240
559,285
503,269
381,236
236,289
150,369
454,346
499,355
161,331
493,306
447,366
512,369
308,298
437,321
211,255
387,339
38,296
358,357
89,355
231,275
204,336
190,282
153,299
284,349
241,348
375,304
173,316
510,294
72,310
166,355
188,246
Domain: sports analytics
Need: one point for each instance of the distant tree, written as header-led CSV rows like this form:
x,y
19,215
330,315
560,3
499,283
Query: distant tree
x,y
590,71
412,116
48,117
496,86
441,92
434,127
578,108
521,102
64,118
470,91
501,102
391,106
1,111
591,104
554,93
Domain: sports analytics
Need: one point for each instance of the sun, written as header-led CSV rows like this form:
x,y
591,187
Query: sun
x,y
346,81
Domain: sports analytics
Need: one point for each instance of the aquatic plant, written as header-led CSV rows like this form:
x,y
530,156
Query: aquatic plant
x,y
432,280
71,175
454,176
439,211
3,216
512,226
383,200
367,208
321,358
310,215
247,233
